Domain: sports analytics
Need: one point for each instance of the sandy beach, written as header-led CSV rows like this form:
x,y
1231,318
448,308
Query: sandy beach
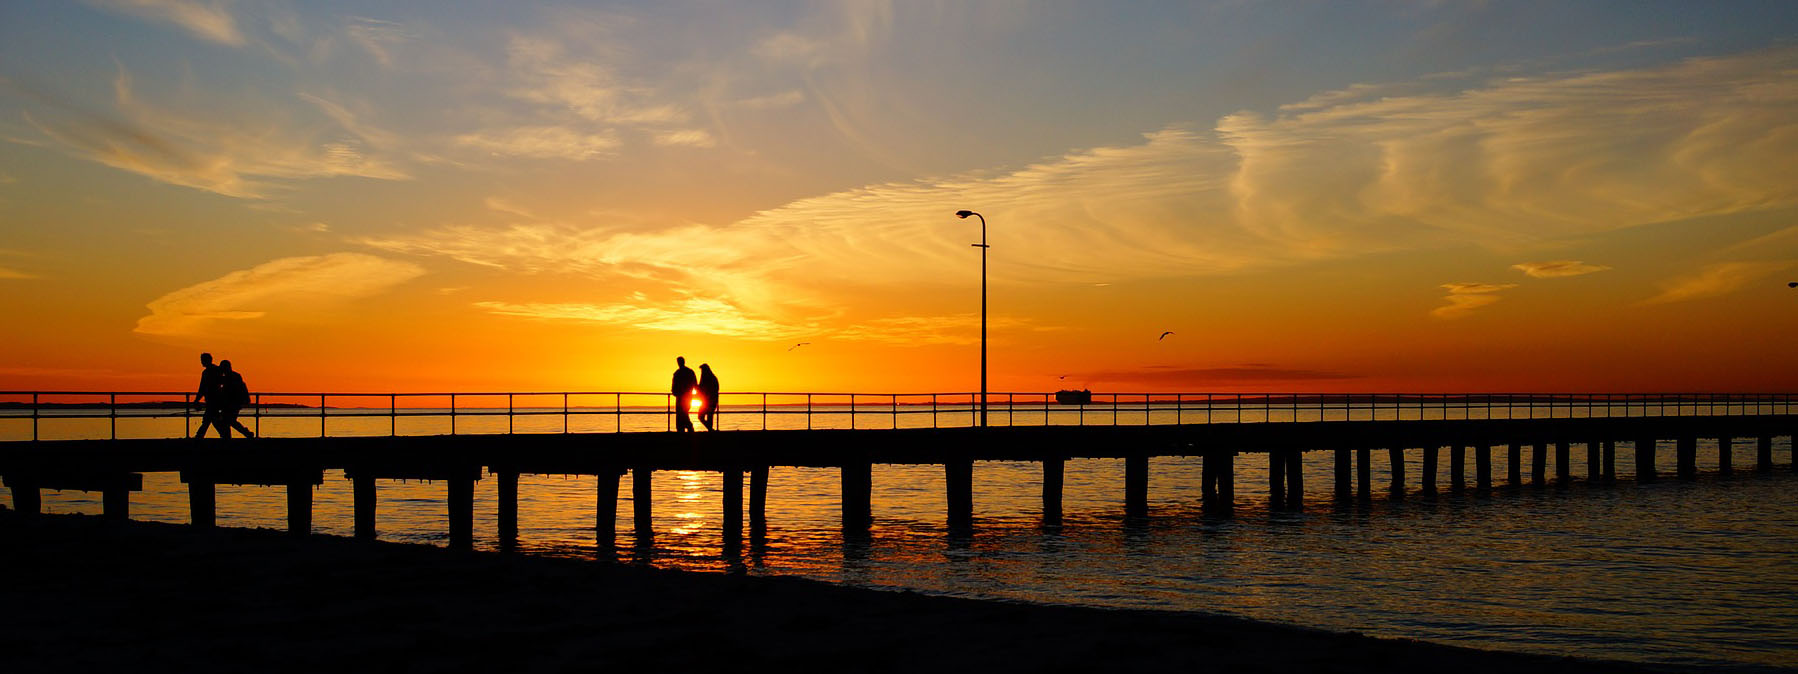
x,y
84,595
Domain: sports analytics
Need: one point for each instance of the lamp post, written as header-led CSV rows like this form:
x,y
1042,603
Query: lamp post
x,y
963,214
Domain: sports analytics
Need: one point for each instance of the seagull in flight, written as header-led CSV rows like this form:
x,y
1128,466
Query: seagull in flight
x,y
1164,335
795,346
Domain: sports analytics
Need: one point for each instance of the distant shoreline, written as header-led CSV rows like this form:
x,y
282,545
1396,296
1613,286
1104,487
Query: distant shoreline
x,y
84,594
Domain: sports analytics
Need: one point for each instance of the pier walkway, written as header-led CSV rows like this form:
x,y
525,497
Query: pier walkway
x,y
105,441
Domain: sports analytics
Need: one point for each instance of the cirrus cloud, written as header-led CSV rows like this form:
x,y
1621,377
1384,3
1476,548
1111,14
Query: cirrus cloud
x,y
271,287
1558,268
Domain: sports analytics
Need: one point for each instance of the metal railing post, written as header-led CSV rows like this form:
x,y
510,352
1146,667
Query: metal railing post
x,y
112,402
564,414
764,411
852,411
452,414
258,418
509,415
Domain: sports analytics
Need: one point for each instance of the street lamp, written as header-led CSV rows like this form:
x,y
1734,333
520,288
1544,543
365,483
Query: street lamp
x,y
963,214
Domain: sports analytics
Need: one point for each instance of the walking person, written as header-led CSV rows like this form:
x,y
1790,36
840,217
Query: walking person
x,y
208,395
683,389
233,396
708,392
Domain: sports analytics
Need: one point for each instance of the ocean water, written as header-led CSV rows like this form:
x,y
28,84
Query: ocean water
x,y
1686,573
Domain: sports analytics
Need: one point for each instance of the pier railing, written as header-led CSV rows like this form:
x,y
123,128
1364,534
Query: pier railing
x,y
50,415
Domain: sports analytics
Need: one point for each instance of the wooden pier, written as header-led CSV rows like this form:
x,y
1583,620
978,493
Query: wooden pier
x,y
114,467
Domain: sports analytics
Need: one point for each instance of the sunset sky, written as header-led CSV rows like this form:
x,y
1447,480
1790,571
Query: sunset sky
x,y
1378,196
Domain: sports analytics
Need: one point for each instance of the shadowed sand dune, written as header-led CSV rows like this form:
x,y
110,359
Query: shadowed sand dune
x,y
82,595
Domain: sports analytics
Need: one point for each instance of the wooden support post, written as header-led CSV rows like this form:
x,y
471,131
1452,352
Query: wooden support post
x,y
1594,469
1563,462
299,507
1276,477
1685,452
202,502
1645,449
758,502
116,503
506,517
732,477
1344,466
1054,468
858,498
363,503
1295,479
1364,473
461,512
1513,465
605,508
643,505
1792,440
1457,467
1395,457
1725,455
1429,469
1136,486
1763,453
1227,478
958,480
26,499
1609,464
1482,459
1539,463
1208,477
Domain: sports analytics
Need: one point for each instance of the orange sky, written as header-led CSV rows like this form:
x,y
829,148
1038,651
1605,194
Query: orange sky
x,y
569,197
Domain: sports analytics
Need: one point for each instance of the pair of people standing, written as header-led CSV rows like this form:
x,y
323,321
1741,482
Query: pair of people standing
x,y
224,393
686,386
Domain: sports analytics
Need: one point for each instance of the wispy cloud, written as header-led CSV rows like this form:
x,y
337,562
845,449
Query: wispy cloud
x,y
232,158
1463,298
499,205
209,21
377,37
686,137
286,284
1715,280
1558,268
1248,372
694,315
14,274
959,329
543,142
547,73
784,99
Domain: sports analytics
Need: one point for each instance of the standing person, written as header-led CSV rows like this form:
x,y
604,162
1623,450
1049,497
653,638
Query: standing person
x,y
684,383
708,390
233,395
209,396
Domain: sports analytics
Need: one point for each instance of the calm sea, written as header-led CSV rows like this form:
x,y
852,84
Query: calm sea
x,y
1685,573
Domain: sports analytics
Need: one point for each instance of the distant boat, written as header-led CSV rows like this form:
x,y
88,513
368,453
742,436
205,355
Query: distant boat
x,y
1074,397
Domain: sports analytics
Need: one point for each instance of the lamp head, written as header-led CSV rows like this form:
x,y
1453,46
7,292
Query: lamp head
x,y
963,214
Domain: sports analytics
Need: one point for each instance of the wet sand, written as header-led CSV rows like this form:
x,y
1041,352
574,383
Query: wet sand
x,y
80,594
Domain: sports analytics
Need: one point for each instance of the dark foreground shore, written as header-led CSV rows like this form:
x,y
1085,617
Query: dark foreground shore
x,y
79,594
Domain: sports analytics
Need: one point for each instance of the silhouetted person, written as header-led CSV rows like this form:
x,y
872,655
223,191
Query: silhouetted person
x,y
208,395
684,383
233,394
708,393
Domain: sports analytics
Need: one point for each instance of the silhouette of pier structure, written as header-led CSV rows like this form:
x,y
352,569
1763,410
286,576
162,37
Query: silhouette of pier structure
x,y
1220,429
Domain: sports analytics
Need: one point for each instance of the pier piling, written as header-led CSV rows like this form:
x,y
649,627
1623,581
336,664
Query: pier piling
x,y
1645,449
1457,468
642,505
1055,467
1396,457
363,503
605,509
1563,462
733,504
506,516
1276,477
1513,465
1343,468
1482,459
299,507
461,512
758,502
1594,469
1763,453
858,496
1686,453
202,502
1725,455
1136,486
1364,473
26,499
958,479
1295,479
1538,463
1609,464
115,504
1428,478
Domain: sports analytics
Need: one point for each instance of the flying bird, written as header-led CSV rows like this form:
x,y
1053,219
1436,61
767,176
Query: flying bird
x,y
1164,335
795,346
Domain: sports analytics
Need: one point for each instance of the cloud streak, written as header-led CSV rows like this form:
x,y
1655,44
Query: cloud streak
x,y
207,21
1463,298
1715,281
287,284
1558,268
